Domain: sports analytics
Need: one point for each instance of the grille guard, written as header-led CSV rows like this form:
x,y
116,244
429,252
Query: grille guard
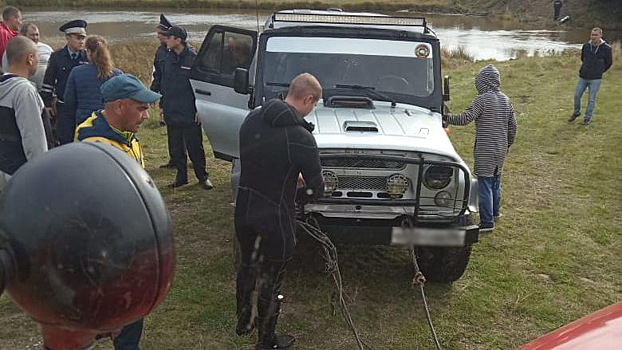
x,y
415,203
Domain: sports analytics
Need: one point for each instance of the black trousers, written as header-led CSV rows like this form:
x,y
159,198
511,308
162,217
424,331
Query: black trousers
x,y
187,139
65,124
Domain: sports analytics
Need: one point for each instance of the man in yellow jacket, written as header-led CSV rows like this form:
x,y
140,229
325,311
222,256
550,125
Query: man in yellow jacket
x,y
126,103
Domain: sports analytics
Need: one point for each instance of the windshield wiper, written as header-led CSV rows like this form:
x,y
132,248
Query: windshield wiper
x,y
371,89
272,83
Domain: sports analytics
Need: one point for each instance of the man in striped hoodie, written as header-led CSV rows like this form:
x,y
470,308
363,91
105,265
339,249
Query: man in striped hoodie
x,y
495,124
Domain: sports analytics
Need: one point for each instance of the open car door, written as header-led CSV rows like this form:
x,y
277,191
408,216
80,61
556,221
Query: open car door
x,y
221,109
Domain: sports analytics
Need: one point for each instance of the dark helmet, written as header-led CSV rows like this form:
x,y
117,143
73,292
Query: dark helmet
x,y
90,241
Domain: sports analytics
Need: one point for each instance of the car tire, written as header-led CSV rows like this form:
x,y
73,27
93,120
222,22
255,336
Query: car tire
x,y
445,264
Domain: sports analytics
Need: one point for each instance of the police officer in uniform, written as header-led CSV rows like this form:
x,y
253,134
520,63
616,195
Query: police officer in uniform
x,y
158,68
59,66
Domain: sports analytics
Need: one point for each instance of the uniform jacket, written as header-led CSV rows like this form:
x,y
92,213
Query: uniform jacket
x,y
57,73
495,123
82,94
276,145
22,135
177,94
158,67
596,60
97,129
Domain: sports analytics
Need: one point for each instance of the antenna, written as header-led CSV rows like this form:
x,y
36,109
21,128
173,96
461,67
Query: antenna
x,y
257,14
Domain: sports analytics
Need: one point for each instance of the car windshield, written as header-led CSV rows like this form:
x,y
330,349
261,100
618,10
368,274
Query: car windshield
x,y
400,70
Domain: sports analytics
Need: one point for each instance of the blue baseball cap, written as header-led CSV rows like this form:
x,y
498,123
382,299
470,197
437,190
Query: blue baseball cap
x,y
127,86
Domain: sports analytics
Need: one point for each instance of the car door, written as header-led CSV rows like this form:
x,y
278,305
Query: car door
x,y
221,109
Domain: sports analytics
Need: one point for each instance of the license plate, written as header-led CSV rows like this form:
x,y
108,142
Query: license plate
x,y
449,237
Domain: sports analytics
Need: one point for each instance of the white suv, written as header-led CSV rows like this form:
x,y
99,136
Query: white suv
x,y
392,175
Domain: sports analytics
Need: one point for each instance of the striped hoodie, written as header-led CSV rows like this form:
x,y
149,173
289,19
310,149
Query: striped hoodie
x,y
495,122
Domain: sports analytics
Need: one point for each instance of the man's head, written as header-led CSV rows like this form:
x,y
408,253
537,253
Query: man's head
x,y
175,37
12,17
304,92
127,101
21,53
162,27
30,31
240,50
75,33
595,36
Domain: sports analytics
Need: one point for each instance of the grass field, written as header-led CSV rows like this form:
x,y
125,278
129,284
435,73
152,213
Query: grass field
x,y
554,256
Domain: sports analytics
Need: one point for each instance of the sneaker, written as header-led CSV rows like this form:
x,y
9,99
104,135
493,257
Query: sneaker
x,y
483,229
587,122
497,217
573,117
167,166
206,184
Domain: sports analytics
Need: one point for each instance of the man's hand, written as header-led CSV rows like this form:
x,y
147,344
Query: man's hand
x,y
301,181
197,119
51,111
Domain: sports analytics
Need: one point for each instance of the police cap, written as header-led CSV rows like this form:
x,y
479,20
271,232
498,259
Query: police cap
x,y
177,32
164,23
74,27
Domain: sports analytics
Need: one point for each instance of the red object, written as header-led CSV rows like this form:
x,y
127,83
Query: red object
x,y
6,34
601,330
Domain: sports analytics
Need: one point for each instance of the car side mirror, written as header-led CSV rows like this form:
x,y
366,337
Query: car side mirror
x,y
446,88
240,81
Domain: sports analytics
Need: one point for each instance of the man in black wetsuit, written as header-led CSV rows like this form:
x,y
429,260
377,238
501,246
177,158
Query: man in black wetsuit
x,y
277,150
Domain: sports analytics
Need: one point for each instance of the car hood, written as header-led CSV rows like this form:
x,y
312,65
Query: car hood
x,y
403,128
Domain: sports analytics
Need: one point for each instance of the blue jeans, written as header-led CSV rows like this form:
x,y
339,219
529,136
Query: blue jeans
x,y
129,337
582,84
489,191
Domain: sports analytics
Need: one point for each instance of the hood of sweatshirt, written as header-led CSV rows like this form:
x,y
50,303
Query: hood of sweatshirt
x,y
488,79
8,83
278,113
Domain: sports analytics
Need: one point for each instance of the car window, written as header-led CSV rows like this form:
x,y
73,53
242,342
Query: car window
x,y
225,51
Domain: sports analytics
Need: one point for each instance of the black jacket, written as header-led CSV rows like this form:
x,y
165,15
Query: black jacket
x,y
57,74
177,94
596,60
158,67
276,145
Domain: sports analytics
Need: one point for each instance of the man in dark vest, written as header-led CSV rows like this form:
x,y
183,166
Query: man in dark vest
x,y
277,151
59,66
557,6
22,135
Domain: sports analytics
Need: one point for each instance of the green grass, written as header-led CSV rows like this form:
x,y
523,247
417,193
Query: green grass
x,y
554,257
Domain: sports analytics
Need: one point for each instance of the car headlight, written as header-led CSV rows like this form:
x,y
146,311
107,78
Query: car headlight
x,y
437,177
443,199
331,181
397,184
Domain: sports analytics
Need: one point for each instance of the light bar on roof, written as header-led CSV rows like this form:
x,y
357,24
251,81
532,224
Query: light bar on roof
x,y
349,19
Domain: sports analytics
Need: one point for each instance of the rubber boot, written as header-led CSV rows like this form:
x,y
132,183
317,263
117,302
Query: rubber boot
x,y
268,315
245,286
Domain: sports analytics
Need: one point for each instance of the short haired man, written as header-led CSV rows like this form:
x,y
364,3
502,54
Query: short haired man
x,y
127,101
180,112
596,58
11,20
22,134
276,148
158,67
60,65
495,131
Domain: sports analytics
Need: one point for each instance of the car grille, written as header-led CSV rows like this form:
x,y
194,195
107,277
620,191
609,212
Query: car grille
x,y
362,163
363,183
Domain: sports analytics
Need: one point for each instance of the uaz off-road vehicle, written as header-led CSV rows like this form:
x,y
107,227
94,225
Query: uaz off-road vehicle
x,y
392,175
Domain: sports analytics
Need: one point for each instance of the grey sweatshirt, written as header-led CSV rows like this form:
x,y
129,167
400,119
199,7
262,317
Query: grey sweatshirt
x,y
19,94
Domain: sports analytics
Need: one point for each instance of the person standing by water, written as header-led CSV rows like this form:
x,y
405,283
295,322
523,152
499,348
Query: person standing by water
x,y
557,7
82,93
61,63
180,111
495,125
596,58
158,67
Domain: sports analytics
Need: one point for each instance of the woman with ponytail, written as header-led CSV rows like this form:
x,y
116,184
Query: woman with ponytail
x,y
82,94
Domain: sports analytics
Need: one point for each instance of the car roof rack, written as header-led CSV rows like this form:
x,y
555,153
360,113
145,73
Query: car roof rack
x,y
334,17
